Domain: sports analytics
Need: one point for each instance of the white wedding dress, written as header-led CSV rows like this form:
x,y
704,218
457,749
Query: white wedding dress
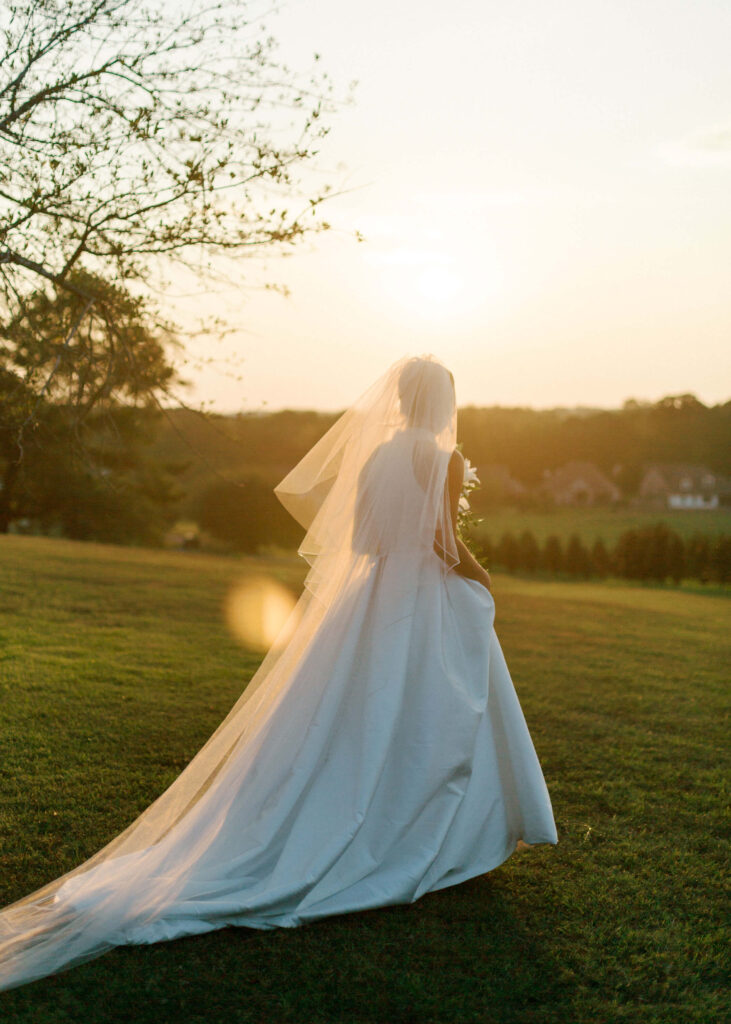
x,y
383,756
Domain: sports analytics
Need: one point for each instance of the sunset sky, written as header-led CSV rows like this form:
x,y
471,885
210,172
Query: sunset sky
x,y
545,193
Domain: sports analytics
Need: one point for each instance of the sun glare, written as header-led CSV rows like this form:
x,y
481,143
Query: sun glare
x,y
256,612
439,284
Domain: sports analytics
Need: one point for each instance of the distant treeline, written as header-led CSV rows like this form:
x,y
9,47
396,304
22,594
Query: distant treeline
x,y
678,428
234,462
654,553
219,471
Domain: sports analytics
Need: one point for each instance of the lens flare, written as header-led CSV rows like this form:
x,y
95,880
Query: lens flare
x,y
257,610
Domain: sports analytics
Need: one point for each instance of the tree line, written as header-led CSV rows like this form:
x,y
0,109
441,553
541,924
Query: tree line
x,y
249,517
158,466
654,553
620,442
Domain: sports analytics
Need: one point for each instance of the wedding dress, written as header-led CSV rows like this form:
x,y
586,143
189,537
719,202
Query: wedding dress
x,y
379,753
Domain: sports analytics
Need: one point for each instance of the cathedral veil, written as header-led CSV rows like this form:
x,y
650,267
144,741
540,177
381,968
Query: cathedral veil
x,y
354,493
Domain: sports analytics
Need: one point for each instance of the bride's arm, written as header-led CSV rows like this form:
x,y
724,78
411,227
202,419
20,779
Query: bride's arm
x,y
468,565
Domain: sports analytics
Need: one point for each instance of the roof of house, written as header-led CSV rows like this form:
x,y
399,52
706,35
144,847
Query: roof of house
x,y
685,476
578,471
498,473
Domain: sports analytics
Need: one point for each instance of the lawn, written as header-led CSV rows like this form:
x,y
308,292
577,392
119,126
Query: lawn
x,y
590,523
115,667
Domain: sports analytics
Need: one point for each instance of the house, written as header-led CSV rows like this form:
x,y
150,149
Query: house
x,y
497,483
578,483
681,485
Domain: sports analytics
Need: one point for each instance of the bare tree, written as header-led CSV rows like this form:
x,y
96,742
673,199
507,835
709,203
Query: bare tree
x,y
135,135
133,129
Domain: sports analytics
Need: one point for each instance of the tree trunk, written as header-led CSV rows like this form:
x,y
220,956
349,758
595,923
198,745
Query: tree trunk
x,y
7,487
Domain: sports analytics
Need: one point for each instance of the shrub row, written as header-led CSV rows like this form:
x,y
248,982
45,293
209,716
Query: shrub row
x,y
654,552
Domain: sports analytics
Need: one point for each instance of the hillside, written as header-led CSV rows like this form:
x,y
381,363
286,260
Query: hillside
x,y
117,668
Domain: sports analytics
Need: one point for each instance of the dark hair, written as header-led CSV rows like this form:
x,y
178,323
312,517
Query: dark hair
x,y
426,393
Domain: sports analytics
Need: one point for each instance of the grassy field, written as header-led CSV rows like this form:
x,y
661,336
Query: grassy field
x,y
607,523
115,666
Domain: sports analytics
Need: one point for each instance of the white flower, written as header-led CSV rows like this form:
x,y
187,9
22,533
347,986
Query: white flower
x,y
470,474
469,482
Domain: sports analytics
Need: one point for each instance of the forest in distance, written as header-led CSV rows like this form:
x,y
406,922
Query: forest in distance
x,y
620,442
526,442
215,473
229,490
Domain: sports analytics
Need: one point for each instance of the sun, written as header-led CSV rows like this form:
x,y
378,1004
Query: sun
x,y
439,285
437,282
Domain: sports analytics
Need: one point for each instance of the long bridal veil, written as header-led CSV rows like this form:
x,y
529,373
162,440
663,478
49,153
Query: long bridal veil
x,y
355,493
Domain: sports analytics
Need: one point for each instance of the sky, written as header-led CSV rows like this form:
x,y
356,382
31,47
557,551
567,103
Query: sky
x,y
544,190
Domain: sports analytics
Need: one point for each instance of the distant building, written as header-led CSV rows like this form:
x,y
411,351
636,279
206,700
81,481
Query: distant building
x,y
682,485
496,482
578,483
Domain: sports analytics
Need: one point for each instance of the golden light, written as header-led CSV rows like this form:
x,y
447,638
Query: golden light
x,y
445,281
257,611
439,284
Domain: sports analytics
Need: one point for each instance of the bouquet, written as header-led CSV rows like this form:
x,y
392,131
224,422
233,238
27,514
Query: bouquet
x,y
465,515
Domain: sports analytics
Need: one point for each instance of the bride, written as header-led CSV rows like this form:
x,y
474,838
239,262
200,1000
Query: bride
x,y
379,752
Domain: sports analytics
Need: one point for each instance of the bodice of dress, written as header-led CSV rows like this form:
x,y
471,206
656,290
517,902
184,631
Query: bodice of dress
x,y
395,506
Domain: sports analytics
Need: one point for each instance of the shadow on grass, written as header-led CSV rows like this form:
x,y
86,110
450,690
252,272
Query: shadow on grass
x,y
458,955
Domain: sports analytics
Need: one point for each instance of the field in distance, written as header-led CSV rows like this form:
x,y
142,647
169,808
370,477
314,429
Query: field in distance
x,y
606,523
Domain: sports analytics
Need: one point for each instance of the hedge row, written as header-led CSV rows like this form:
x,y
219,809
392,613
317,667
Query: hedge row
x,y
654,552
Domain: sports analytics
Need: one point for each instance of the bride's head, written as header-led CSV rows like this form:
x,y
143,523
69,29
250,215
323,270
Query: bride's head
x,y
426,394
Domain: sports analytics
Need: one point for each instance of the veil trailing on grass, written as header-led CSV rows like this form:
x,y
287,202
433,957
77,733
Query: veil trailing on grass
x,y
355,493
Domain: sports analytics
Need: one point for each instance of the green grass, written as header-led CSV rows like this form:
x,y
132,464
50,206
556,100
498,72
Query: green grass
x,y
115,667
590,523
